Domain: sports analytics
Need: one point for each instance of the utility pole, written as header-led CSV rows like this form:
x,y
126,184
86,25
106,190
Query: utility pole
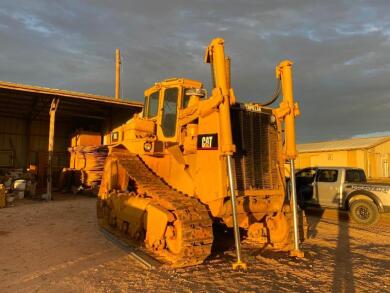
x,y
117,74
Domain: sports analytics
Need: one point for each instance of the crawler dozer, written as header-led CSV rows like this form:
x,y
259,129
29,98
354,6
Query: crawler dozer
x,y
190,160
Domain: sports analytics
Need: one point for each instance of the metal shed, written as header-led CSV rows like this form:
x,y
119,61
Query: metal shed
x,y
25,115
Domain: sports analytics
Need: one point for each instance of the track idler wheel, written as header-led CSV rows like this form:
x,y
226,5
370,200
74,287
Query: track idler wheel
x,y
174,238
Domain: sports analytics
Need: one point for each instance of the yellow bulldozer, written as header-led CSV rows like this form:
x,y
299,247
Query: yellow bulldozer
x,y
190,160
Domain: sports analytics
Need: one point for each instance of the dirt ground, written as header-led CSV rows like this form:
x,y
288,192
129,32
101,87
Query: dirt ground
x,y
57,247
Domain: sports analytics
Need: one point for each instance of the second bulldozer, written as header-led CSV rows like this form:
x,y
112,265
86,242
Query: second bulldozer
x,y
166,178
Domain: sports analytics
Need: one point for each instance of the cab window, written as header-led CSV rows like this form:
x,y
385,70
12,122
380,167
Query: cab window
x,y
185,99
355,176
145,111
153,105
327,175
168,122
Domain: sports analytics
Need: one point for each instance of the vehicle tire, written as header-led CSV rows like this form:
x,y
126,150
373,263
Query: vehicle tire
x,y
364,212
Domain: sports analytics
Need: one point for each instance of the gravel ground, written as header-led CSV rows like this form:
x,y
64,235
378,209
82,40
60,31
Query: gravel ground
x,y
57,247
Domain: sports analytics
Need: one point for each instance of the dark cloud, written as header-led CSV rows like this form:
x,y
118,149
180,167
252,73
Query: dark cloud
x,y
340,50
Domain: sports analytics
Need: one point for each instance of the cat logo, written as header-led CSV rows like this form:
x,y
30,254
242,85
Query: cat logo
x,y
207,142
253,107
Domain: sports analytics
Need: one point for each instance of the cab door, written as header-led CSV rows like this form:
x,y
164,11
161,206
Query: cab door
x,y
327,187
167,130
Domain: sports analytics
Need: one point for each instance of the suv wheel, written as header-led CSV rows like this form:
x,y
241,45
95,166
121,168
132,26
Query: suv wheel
x,y
364,212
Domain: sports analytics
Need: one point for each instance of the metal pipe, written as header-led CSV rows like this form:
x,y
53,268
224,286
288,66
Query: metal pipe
x,y
117,74
297,251
237,238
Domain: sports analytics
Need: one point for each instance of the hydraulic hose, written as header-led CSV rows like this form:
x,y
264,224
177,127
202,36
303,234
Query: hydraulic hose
x,y
275,94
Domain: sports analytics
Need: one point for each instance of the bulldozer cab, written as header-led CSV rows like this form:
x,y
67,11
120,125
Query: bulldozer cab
x,y
165,100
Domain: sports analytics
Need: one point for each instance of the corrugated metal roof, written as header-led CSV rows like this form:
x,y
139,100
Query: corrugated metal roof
x,y
345,144
65,93
33,102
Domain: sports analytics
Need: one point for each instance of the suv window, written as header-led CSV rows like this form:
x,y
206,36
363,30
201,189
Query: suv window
x,y
355,176
153,105
327,175
168,122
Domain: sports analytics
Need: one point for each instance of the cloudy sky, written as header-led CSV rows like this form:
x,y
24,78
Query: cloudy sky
x,y
340,49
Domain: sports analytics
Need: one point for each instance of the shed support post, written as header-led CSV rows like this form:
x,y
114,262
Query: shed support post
x,y
52,113
28,141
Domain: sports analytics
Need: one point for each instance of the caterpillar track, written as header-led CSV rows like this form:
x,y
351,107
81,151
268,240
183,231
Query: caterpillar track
x,y
188,237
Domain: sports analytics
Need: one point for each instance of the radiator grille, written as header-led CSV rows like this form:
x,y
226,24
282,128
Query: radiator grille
x,y
257,150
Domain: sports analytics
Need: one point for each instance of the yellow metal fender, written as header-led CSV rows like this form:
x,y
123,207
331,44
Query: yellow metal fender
x,y
141,214
130,210
156,222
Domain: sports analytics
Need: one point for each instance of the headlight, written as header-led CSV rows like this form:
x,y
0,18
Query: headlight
x,y
147,146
